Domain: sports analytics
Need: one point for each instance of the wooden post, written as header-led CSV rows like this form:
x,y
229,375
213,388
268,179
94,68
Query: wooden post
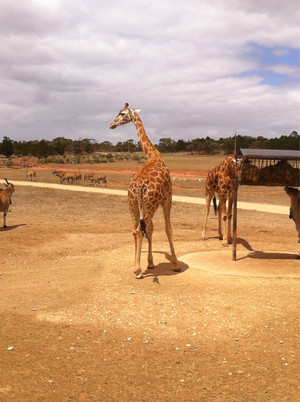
x,y
234,204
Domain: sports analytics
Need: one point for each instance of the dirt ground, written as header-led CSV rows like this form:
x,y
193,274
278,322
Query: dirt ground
x,y
77,325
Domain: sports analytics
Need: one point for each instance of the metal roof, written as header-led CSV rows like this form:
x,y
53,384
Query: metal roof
x,y
270,153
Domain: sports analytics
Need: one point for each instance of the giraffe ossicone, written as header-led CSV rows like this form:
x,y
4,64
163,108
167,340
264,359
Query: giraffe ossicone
x,y
149,188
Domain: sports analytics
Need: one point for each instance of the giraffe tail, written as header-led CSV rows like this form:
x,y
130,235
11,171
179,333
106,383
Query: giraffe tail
x,y
142,222
143,228
215,205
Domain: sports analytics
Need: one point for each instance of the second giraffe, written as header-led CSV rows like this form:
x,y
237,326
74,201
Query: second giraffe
x,y
220,180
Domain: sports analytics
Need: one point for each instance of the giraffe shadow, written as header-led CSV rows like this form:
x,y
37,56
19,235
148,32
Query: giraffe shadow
x,y
164,268
2,229
262,255
212,237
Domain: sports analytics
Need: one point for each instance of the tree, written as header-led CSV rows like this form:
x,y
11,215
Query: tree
x,y
106,146
167,145
180,146
59,145
7,147
129,146
43,149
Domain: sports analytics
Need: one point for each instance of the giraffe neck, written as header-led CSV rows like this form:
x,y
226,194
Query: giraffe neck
x,y
146,145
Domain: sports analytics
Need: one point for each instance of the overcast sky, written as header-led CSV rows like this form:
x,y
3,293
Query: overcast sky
x,y
195,68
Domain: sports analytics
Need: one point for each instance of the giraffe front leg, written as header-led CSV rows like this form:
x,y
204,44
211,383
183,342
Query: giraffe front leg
x,y
224,222
220,221
229,216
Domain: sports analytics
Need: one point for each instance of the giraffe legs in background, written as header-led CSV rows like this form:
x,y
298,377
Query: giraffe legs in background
x,y
225,215
224,219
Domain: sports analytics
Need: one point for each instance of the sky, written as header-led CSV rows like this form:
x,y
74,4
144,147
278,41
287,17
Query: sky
x,y
195,68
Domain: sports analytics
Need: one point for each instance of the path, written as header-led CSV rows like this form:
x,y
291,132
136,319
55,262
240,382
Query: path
x,y
275,209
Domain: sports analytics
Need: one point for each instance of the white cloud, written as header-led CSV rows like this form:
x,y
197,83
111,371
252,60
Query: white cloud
x,y
69,66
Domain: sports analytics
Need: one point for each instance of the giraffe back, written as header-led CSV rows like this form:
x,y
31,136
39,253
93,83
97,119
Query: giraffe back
x,y
150,186
221,178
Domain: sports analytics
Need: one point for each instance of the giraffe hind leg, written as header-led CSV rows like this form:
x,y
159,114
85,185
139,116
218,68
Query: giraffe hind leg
x,y
149,227
167,211
138,240
142,230
137,264
207,208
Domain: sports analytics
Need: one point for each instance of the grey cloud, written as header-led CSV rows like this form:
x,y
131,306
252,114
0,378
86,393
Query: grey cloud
x,y
68,67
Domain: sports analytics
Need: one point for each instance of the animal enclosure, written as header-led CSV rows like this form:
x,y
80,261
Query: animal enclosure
x,y
267,167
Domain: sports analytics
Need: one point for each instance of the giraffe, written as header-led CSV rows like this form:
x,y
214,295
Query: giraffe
x,y
220,180
149,188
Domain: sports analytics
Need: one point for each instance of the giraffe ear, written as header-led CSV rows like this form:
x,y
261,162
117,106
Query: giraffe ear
x,y
138,110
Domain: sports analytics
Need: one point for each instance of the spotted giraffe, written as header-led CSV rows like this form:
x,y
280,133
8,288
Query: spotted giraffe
x,y
149,188
220,180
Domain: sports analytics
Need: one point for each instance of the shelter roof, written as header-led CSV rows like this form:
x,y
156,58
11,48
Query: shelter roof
x,y
270,153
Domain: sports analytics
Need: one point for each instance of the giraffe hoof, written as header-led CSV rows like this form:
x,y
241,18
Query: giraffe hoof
x,y
176,269
150,266
139,276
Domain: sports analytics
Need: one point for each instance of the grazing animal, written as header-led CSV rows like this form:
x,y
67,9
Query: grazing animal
x,y
59,173
220,180
5,199
149,188
78,177
294,195
95,179
70,177
31,175
99,179
88,177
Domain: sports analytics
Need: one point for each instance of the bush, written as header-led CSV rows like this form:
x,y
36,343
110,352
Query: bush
x,y
110,157
58,159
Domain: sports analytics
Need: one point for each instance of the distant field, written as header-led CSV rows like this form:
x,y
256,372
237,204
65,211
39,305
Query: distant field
x,y
188,173
182,162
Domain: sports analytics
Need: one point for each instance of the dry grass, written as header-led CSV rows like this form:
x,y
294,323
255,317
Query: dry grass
x,y
120,172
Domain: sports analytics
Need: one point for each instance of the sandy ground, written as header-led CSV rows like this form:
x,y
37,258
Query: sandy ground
x,y
276,209
77,325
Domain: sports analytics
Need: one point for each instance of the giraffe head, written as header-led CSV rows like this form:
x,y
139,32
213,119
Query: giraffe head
x,y
125,116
